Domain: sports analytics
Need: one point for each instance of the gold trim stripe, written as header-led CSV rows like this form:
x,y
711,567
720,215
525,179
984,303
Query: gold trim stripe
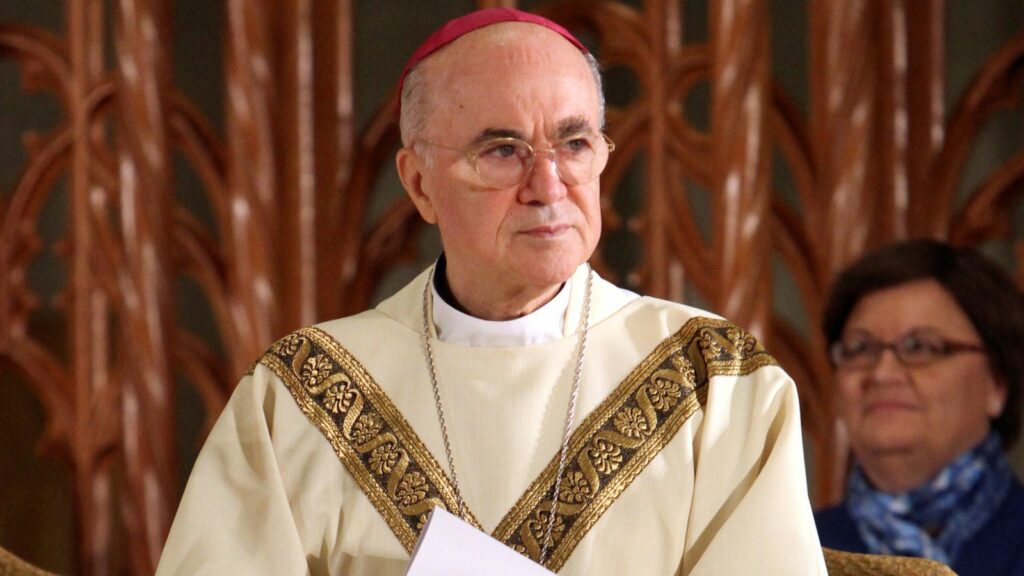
x,y
614,444
611,447
370,436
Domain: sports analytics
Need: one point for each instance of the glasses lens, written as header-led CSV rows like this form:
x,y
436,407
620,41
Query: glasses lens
x,y
921,348
581,159
855,352
502,162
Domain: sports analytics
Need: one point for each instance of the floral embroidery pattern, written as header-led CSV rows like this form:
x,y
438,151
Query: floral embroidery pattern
x,y
339,398
664,393
631,423
315,371
366,428
709,344
575,488
289,345
383,459
742,340
412,488
539,525
605,456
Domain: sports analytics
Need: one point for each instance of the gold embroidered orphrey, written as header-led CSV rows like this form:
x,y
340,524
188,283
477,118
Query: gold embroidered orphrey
x,y
607,452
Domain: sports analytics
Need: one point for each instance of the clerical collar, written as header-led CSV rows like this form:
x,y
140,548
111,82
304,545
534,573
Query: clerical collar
x,y
452,325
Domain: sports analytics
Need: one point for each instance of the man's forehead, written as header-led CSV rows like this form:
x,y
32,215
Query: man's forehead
x,y
514,95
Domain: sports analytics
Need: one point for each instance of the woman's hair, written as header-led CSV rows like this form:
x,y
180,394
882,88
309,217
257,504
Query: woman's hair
x,y
983,290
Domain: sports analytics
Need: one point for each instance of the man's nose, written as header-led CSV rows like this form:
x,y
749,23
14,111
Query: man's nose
x,y
544,183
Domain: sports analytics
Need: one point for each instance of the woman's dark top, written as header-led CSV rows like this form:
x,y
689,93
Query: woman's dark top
x,y
996,550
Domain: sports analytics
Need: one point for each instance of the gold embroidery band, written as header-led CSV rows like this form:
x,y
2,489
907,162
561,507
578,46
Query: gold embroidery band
x,y
607,452
622,436
370,436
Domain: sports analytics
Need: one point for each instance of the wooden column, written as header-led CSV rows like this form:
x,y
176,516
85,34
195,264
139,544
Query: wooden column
x,y
739,115
147,313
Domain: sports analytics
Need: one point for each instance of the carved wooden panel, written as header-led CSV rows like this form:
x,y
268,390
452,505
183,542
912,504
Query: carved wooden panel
x,y
292,237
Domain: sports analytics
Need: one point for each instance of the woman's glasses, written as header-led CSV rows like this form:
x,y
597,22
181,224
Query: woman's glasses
x,y
915,348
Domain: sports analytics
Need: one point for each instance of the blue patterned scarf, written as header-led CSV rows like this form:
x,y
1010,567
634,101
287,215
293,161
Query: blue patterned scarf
x,y
955,504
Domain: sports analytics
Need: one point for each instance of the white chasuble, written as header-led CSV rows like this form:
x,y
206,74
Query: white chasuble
x,y
686,455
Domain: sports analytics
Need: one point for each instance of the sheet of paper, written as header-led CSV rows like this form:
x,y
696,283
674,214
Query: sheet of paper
x,y
448,546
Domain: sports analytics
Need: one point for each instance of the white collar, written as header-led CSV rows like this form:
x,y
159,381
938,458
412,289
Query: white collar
x,y
544,324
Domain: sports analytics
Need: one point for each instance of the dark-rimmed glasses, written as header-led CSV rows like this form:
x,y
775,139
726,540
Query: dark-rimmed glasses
x,y
915,348
505,162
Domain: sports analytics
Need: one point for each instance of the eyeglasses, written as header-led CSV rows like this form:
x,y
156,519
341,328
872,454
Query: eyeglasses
x,y
506,162
916,348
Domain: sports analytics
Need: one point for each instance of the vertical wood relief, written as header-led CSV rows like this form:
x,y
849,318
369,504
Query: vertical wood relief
x,y
144,277
740,153
843,121
291,237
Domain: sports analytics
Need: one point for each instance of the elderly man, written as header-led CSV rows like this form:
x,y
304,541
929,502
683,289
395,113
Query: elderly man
x,y
590,429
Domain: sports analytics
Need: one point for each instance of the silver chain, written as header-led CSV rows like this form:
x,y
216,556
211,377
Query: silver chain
x,y
577,374
437,392
570,416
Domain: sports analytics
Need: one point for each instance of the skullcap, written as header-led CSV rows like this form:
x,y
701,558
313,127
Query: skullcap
x,y
459,27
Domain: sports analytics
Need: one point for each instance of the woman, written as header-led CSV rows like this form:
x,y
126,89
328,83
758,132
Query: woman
x,y
927,343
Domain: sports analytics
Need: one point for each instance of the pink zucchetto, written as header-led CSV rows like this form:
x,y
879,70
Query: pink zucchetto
x,y
459,27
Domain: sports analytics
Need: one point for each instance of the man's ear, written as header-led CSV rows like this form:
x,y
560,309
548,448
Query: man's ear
x,y
410,171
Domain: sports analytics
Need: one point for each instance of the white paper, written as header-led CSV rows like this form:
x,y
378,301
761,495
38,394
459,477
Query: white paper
x,y
449,546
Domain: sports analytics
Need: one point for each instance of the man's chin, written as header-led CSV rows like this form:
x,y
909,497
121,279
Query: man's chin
x,y
554,271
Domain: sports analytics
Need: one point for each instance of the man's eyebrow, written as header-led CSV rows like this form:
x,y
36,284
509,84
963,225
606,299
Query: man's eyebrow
x,y
569,127
572,127
489,133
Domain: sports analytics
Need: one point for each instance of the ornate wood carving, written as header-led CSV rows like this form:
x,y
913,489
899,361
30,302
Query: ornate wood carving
x,y
292,239
740,152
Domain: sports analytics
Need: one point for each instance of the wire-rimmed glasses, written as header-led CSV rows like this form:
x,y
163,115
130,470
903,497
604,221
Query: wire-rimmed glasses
x,y
503,162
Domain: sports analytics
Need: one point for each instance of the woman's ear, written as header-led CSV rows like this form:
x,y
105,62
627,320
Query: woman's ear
x,y
997,397
410,166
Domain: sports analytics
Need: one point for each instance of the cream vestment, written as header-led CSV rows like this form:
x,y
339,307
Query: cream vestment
x,y
686,456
